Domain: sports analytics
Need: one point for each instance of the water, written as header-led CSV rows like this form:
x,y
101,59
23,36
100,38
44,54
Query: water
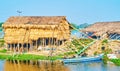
x,y
92,66
55,66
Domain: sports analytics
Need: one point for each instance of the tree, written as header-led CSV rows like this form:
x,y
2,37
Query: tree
x,y
1,24
84,25
74,25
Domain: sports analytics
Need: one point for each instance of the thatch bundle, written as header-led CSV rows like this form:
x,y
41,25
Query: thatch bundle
x,y
24,29
100,28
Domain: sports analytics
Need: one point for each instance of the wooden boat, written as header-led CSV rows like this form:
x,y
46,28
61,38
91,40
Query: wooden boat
x,y
83,59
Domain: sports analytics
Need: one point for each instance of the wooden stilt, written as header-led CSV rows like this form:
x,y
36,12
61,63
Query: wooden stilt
x,y
18,48
52,41
14,48
55,42
22,46
40,42
10,48
59,43
45,42
49,41
36,44
30,49
27,47
63,42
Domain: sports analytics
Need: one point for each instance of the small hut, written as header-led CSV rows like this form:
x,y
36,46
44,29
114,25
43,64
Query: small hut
x,y
35,31
112,29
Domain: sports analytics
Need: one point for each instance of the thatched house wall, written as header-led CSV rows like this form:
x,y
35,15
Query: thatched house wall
x,y
30,29
100,28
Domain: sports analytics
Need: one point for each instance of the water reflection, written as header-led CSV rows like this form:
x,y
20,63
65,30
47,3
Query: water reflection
x,y
55,66
92,66
34,66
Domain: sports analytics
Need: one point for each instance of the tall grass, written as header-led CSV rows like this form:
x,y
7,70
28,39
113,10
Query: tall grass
x,y
29,57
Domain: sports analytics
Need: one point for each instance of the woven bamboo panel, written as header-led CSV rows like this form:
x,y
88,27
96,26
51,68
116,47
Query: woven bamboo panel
x,y
25,29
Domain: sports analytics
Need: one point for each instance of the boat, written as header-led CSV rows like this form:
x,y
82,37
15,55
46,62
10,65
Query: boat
x,y
83,59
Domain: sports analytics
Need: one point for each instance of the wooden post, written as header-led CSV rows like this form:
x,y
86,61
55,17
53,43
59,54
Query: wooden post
x,y
39,42
45,41
63,42
59,42
10,48
54,42
30,48
18,48
22,46
36,44
27,47
14,48
49,41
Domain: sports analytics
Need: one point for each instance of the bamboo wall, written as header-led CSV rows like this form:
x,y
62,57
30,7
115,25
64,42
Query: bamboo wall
x,y
27,33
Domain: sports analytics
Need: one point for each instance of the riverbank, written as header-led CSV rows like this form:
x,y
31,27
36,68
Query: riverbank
x,y
28,57
5,56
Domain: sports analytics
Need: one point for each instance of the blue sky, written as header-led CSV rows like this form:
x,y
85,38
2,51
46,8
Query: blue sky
x,y
77,11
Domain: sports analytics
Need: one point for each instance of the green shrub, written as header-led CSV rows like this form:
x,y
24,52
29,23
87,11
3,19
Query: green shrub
x,y
104,41
69,53
3,51
95,53
105,59
115,61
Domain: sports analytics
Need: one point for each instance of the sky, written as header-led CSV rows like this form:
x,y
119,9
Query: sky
x,y
76,11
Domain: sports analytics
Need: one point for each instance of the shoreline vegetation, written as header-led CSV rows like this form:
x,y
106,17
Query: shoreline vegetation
x,y
4,55
28,57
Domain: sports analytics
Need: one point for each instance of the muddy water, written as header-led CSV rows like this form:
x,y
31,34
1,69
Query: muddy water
x,y
34,66
55,66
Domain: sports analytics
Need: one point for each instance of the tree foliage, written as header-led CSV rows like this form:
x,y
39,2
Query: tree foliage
x,y
84,25
1,24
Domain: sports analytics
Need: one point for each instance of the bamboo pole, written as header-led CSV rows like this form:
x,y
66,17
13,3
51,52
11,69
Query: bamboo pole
x,y
53,37
31,46
27,47
36,44
58,42
54,42
18,48
45,41
49,41
10,48
22,46
14,48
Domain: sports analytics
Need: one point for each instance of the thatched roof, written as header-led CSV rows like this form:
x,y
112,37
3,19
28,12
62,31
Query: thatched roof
x,y
35,19
24,29
100,28
18,21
